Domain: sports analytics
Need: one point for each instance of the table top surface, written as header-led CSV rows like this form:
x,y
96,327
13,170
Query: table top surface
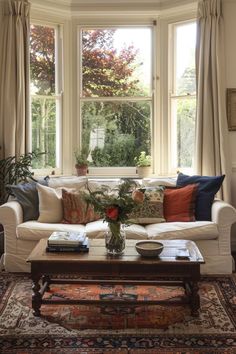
x,y
97,253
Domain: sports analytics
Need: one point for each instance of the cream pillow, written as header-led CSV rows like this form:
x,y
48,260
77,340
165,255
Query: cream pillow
x,y
50,204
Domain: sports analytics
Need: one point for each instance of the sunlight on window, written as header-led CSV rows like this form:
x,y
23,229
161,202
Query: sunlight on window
x,y
183,99
116,63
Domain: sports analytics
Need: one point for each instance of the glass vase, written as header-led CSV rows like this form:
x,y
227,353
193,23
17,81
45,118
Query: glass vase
x,y
115,239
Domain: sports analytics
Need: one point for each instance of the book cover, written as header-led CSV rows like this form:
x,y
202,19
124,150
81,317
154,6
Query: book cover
x,y
65,238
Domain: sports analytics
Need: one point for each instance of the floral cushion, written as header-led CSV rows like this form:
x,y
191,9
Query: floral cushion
x,y
150,211
75,208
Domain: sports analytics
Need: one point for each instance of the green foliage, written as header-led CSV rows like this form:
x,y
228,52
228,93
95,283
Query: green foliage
x,y
44,131
187,82
81,156
119,199
126,131
13,171
186,131
143,160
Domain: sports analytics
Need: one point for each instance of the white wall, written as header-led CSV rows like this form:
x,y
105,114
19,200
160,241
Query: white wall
x,y
229,14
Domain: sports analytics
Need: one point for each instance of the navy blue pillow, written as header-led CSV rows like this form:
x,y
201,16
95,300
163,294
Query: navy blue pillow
x,y
207,188
27,195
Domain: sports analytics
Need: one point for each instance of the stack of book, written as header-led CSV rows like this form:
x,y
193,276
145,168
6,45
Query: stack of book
x,y
67,241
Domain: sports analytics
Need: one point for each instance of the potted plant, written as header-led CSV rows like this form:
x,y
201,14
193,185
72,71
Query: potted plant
x,y
14,170
81,157
143,163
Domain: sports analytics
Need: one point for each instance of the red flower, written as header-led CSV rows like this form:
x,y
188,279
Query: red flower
x,y
112,213
138,196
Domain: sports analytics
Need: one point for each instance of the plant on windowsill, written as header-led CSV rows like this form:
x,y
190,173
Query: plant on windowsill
x,y
143,164
81,157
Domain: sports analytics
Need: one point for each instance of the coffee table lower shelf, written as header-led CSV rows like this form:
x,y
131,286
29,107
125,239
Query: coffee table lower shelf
x,y
191,296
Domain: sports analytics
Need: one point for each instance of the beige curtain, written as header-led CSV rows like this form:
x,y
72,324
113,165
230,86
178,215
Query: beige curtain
x,y
212,147
14,77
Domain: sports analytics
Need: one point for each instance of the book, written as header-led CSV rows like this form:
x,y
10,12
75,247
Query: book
x,y
66,238
60,248
66,249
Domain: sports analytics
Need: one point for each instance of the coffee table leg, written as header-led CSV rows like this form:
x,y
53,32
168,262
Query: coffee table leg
x,y
46,279
194,298
36,296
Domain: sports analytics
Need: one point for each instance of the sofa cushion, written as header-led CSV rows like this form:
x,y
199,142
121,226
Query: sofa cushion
x,y
208,186
68,182
197,230
50,205
34,230
97,229
75,208
95,185
151,209
179,203
161,181
27,195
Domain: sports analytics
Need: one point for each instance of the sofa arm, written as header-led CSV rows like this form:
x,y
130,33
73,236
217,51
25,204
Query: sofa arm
x,y
11,213
224,215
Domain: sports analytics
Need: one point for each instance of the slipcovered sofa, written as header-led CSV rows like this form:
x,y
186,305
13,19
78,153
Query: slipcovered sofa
x,y
212,237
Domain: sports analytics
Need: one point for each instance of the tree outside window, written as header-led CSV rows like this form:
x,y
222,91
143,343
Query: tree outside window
x,y
115,99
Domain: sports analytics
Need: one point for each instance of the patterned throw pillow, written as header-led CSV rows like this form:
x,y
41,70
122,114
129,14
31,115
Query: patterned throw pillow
x,y
151,210
76,210
179,203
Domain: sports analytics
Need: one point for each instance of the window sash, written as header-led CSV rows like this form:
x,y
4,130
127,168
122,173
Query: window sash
x,y
57,97
119,171
173,97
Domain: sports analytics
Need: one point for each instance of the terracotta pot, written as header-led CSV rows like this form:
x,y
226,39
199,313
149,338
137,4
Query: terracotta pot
x,y
144,171
81,170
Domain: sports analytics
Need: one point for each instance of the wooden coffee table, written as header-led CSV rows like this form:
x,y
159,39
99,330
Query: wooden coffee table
x,y
130,268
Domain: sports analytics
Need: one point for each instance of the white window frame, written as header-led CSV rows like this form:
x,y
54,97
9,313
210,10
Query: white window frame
x,y
70,126
117,171
58,97
173,96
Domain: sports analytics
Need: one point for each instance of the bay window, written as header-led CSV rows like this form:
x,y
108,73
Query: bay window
x,y
136,92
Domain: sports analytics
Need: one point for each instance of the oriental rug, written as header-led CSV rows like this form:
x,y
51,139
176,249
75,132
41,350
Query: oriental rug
x,y
143,329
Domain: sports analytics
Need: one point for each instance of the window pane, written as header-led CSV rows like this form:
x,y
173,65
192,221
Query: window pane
x,y
42,60
43,111
185,81
116,62
183,111
115,132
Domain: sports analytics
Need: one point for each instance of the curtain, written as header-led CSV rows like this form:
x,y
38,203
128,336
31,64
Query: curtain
x,y
212,146
14,77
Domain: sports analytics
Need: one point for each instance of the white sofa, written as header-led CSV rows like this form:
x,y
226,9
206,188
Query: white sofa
x,y
212,237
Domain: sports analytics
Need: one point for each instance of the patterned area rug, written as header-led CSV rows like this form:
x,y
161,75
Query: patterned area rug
x,y
91,329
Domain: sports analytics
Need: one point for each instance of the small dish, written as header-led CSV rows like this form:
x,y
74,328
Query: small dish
x,y
149,248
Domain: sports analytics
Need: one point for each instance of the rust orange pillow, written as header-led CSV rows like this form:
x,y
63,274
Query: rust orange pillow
x,y
76,210
179,203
